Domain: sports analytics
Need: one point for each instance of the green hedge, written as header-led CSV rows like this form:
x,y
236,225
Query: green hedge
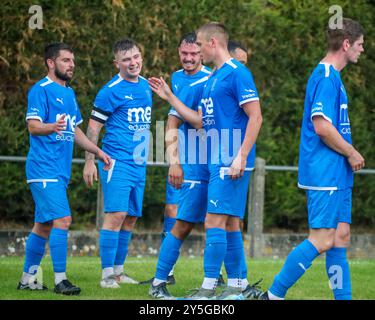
x,y
286,39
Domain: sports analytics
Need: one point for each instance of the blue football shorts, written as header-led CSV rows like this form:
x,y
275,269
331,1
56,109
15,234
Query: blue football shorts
x,y
51,201
123,187
227,196
192,205
328,208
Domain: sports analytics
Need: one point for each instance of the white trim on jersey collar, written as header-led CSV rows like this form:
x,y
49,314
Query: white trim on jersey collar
x,y
326,66
231,63
203,69
47,82
199,81
116,82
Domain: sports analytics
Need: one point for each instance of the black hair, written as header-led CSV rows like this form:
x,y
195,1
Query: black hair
x,y
52,51
190,37
233,45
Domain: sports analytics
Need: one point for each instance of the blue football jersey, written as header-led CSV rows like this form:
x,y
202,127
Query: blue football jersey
x,y
50,157
125,109
320,167
224,121
180,79
191,142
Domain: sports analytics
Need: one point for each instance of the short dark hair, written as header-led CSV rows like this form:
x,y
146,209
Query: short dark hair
x,y
233,45
125,45
52,51
350,30
190,37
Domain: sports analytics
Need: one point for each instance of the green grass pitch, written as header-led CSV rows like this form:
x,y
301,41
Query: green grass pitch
x,y
85,272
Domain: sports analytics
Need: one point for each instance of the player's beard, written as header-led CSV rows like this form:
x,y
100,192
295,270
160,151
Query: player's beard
x,y
62,76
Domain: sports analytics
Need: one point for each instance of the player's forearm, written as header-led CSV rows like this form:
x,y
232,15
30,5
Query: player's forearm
x,y
189,115
37,128
171,140
92,135
332,138
81,139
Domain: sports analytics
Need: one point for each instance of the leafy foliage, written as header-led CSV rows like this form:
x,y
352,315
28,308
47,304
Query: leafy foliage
x,y
286,40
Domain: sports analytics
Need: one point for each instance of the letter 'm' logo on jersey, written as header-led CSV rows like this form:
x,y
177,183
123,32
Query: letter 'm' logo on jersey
x,y
139,114
208,105
70,122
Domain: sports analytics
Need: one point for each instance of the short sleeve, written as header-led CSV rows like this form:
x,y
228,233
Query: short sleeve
x,y
78,116
37,106
103,106
244,87
324,99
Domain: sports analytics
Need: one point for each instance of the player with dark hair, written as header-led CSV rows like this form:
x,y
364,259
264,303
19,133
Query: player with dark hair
x,y
327,161
52,118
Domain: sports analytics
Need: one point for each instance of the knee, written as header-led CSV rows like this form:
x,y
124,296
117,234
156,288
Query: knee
x,y
63,223
114,221
182,229
129,223
342,238
233,225
170,211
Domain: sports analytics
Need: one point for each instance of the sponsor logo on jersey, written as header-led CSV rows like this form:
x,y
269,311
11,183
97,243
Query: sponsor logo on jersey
x,y
139,118
60,100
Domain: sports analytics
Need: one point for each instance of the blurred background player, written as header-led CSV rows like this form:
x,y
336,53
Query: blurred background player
x,y
123,106
52,119
327,161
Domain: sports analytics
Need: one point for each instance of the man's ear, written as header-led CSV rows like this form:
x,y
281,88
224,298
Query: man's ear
x,y
50,64
346,44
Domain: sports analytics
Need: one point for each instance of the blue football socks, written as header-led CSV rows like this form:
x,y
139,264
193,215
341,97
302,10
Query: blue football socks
x,y
169,252
214,252
167,226
35,248
58,243
235,255
108,247
297,262
122,248
338,272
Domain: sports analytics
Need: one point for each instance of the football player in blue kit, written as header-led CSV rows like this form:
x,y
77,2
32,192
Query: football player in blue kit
x,y
231,121
191,179
53,117
192,71
327,161
123,106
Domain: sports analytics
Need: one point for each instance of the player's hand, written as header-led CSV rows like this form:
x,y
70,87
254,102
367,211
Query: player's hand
x,y
238,166
159,86
59,125
356,161
90,173
175,175
105,158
